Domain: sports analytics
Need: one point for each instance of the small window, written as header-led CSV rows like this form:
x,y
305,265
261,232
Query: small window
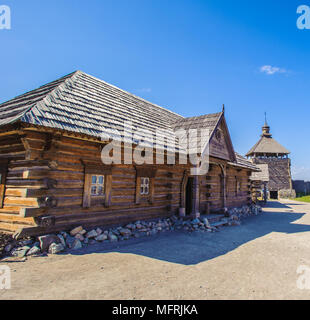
x,y
145,186
97,185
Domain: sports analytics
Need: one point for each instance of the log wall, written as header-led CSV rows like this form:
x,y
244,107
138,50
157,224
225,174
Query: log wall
x,y
45,178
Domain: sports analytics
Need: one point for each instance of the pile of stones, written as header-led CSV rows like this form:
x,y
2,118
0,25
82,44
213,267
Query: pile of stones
x,y
238,213
79,238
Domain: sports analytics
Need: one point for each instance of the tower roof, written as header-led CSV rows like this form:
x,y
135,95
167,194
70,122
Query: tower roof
x,y
266,144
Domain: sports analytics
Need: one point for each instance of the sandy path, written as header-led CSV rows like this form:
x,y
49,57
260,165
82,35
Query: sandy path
x,y
257,260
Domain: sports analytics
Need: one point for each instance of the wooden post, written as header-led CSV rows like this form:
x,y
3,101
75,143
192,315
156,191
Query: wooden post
x,y
138,185
265,192
3,174
108,190
87,191
196,200
224,177
182,210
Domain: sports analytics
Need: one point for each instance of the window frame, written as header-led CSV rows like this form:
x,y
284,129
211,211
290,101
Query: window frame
x,y
145,172
97,169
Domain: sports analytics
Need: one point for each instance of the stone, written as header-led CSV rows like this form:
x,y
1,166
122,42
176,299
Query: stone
x,y
91,234
101,237
64,234
69,241
195,221
178,223
236,223
76,245
26,242
112,237
79,237
56,248
131,226
46,241
76,230
8,248
83,232
62,240
35,250
206,222
125,232
20,252
99,231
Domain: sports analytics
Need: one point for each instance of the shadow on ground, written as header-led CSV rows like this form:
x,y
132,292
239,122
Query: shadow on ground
x,y
190,249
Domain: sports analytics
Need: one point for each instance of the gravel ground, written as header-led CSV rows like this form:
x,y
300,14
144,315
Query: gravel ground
x,y
257,260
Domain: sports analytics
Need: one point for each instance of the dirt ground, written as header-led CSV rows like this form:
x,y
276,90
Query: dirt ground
x,y
257,260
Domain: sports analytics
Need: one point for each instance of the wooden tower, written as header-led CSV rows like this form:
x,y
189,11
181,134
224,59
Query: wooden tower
x,y
268,151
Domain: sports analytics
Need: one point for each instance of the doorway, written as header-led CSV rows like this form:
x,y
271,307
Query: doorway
x,y
189,196
274,195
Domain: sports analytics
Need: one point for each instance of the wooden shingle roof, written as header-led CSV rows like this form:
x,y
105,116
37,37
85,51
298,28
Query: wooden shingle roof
x,y
262,175
267,145
83,104
244,163
201,139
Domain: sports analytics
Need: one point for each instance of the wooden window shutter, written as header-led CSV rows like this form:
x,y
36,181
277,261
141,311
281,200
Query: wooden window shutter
x,y
108,190
138,183
87,191
3,173
152,190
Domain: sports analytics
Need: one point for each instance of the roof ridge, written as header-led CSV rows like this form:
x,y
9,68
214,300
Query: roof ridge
x,y
44,85
204,115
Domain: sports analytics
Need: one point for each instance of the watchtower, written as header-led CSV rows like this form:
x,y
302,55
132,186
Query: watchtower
x,y
268,151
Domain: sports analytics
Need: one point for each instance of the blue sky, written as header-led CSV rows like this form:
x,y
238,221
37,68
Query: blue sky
x,y
189,56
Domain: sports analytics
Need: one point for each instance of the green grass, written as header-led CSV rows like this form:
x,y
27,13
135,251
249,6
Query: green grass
x,y
303,199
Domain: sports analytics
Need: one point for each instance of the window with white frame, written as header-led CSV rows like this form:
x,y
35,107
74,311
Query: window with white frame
x,y
145,186
97,185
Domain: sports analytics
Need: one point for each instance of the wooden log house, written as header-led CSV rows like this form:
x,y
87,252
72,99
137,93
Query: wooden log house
x,y
52,176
